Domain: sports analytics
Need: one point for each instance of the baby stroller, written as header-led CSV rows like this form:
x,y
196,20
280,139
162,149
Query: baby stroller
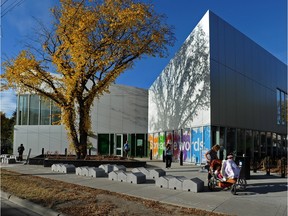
x,y
220,179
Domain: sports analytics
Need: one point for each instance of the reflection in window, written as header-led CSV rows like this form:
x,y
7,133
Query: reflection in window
x,y
257,146
263,144
23,110
45,112
269,143
56,114
281,107
249,144
33,110
241,145
231,140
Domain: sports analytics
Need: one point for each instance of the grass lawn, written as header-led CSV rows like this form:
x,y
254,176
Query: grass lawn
x,y
72,199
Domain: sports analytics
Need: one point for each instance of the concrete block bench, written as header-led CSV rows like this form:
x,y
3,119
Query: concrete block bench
x,y
85,171
79,170
122,176
176,183
56,167
107,167
156,173
136,178
195,185
67,168
163,181
117,175
97,172
119,167
10,160
143,170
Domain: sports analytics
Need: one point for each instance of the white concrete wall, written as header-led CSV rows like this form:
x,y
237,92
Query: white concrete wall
x,y
50,137
180,96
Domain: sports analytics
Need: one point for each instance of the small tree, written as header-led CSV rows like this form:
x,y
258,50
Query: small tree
x,y
90,44
7,125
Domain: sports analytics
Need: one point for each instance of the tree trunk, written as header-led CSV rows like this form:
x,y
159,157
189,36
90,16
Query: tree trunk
x,y
84,127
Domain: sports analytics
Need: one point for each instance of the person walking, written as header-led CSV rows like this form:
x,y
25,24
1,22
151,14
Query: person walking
x,y
168,156
126,149
20,151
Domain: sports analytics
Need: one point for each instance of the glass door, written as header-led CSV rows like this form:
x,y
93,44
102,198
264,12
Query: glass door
x,y
119,144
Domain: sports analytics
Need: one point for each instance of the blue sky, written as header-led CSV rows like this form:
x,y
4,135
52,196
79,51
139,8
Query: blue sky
x,y
264,21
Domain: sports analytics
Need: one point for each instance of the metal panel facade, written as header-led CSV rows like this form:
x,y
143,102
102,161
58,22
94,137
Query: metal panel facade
x,y
251,77
123,110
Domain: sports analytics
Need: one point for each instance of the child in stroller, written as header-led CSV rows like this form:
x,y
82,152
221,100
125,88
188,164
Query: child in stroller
x,y
226,174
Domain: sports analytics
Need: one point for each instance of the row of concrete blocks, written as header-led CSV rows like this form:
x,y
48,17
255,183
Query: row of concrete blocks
x,y
8,159
101,171
139,175
180,183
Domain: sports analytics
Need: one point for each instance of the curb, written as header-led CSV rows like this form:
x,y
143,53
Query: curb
x,y
30,205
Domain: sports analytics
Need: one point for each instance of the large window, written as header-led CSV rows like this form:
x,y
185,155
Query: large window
x,y
45,112
231,140
56,114
23,110
281,107
34,110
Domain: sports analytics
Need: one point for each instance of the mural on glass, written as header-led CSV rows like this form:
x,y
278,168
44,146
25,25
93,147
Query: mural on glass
x,y
155,145
161,145
200,143
186,140
196,144
176,144
207,142
180,96
169,138
151,145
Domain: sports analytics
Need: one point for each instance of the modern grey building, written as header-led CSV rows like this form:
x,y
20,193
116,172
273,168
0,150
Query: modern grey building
x,y
220,88
116,117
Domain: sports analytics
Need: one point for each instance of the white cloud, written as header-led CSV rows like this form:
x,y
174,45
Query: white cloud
x,y
8,102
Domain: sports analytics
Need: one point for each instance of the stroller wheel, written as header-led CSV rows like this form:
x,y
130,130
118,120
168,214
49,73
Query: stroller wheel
x,y
233,189
242,183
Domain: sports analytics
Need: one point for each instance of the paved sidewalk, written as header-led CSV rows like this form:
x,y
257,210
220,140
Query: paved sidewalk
x,y
264,195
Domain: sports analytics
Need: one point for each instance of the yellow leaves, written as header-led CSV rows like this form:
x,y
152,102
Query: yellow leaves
x,y
23,70
92,45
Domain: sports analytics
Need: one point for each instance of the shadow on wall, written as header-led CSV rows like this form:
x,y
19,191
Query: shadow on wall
x,y
183,88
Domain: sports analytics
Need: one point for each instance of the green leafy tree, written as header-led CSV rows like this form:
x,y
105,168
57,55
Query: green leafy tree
x,y
90,44
7,125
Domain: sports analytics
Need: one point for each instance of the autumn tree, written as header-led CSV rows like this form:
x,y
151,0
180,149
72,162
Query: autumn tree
x,y
90,44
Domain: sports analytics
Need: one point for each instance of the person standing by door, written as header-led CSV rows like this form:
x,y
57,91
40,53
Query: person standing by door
x,y
20,151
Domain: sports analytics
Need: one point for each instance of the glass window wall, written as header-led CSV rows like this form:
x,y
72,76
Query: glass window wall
x,y
263,144
257,146
45,112
23,110
231,140
241,142
269,143
249,144
55,114
34,110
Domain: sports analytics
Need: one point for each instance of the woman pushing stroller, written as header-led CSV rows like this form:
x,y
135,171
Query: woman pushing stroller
x,y
225,174
210,156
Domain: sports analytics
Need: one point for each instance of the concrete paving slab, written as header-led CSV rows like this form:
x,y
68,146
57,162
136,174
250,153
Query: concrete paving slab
x,y
264,195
